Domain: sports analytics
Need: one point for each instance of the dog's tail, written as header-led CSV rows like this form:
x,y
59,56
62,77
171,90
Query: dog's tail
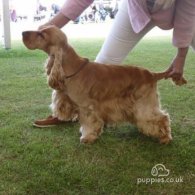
x,y
160,75
164,75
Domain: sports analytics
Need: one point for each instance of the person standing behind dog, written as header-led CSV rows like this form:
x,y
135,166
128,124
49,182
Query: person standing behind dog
x,y
135,18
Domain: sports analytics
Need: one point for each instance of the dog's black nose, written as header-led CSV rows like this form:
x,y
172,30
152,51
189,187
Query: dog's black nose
x,y
25,33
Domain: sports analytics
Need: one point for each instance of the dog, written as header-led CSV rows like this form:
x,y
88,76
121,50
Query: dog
x,y
99,94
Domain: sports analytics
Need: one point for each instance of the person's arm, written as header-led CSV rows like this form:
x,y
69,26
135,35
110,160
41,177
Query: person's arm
x,y
177,66
69,11
184,24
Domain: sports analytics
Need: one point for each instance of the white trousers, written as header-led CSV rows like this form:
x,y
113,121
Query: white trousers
x,y
121,39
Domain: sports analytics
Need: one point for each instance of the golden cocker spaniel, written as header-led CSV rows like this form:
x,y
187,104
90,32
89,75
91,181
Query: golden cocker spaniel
x,y
99,94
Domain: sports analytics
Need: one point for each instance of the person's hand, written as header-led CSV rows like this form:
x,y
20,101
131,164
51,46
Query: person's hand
x,y
59,20
44,25
175,71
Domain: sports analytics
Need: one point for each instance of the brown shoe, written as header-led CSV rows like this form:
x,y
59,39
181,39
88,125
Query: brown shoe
x,y
48,122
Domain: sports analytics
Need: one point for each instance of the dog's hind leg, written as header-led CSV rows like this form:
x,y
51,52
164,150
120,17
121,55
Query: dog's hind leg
x,y
151,120
157,126
91,126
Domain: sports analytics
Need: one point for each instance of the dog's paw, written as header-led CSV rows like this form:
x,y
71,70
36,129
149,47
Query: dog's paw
x,y
166,139
89,139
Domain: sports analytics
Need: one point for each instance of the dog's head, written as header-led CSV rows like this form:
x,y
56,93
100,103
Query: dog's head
x,y
54,42
48,39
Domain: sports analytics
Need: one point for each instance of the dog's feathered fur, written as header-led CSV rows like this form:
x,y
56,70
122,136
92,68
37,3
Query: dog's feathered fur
x,y
99,94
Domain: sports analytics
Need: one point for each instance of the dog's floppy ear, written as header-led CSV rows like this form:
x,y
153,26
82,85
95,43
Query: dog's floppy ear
x,y
49,64
56,77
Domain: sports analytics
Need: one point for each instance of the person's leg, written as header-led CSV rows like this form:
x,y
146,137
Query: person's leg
x,y
121,39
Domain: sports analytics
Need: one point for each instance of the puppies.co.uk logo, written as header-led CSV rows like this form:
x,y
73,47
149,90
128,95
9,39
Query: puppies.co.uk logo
x,y
160,175
160,171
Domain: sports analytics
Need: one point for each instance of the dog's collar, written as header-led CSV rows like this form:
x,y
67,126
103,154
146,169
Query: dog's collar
x,y
86,61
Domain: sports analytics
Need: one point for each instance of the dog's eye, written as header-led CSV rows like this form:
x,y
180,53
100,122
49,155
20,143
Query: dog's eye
x,y
41,35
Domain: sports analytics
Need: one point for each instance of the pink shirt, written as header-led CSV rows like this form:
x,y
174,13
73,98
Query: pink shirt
x,y
180,16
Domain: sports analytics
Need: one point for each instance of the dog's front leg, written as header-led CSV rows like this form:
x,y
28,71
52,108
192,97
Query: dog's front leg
x,y
63,107
91,126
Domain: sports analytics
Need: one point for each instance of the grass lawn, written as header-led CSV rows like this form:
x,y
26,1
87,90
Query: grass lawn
x,y
52,161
